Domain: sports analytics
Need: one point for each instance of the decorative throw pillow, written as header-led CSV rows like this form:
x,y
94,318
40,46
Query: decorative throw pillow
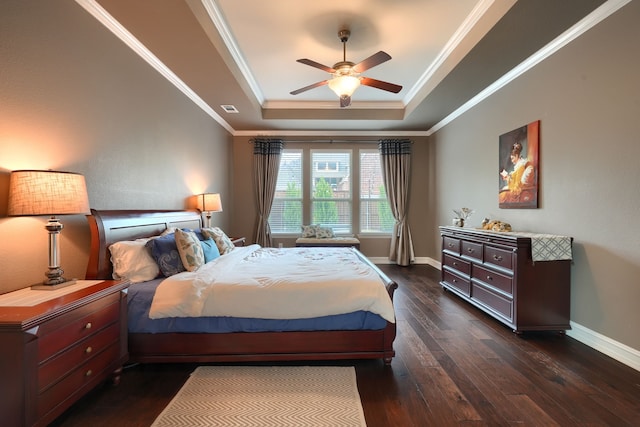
x,y
210,250
165,251
324,233
309,230
224,243
189,249
132,261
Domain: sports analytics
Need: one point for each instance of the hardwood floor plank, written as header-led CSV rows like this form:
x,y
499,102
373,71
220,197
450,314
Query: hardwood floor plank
x,y
533,415
559,384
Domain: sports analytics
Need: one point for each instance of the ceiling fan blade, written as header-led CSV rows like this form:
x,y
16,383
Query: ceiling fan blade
x,y
372,61
316,65
379,84
306,88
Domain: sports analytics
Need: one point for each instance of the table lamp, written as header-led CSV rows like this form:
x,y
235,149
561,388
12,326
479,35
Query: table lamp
x,y
209,202
47,192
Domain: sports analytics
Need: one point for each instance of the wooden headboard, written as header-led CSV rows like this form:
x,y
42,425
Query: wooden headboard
x,y
110,226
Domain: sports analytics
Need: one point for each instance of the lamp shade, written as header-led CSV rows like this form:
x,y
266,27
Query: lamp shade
x,y
210,202
46,192
344,85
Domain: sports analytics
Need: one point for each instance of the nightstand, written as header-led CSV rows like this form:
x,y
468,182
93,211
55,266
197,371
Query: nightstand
x,y
55,346
238,241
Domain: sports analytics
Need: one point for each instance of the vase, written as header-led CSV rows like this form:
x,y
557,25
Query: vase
x,y
458,222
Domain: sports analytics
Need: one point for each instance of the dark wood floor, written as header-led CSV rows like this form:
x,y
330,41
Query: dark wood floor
x,y
454,365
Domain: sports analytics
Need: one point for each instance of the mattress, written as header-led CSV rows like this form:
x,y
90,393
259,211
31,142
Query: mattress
x,y
140,296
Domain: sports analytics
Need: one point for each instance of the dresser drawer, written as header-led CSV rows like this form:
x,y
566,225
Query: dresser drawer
x,y
65,362
58,334
81,377
495,280
451,244
471,250
494,302
499,257
453,280
457,264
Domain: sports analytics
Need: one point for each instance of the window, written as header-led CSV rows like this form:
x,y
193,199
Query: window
x,y
331,190
318,186
286,211
375,212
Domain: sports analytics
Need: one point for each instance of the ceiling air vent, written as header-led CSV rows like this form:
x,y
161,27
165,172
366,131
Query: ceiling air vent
x,y
229,108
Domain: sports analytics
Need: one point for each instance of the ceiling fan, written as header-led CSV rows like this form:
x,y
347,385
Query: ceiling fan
x,y
346,75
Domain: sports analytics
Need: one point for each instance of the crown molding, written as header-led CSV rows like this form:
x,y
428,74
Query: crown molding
x,y
134,44
585,24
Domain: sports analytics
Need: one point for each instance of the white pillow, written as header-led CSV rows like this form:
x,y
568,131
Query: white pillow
x,y
309,230
324,233
132,261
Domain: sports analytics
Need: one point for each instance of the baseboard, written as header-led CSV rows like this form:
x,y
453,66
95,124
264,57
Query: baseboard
x,y
618,351
418,260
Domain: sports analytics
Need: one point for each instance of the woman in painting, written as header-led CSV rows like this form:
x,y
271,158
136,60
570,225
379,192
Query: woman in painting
x,y
520,181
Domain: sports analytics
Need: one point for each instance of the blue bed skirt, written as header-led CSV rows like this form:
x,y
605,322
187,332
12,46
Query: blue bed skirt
x,y
140,296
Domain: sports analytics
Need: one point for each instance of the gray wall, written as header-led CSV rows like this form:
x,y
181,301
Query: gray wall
x,y
74,97
587,97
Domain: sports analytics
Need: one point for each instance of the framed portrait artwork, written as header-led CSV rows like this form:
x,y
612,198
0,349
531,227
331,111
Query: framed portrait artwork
x,y
519,167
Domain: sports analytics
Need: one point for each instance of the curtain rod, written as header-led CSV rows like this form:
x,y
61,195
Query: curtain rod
x,y
333,141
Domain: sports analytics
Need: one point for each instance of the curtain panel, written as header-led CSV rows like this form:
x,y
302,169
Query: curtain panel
x,y
266,163
395,158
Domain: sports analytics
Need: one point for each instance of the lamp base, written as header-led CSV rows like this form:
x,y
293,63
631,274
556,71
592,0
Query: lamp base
x,y
53,287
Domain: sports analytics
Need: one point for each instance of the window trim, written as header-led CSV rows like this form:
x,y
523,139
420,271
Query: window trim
x,y
308,168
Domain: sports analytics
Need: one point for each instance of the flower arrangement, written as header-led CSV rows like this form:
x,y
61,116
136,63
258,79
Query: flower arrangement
x,y
463,213
461,216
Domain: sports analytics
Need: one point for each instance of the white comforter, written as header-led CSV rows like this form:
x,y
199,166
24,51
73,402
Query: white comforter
x,y
292,283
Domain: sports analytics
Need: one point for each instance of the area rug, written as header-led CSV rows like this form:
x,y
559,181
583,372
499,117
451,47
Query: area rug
x,y
266,396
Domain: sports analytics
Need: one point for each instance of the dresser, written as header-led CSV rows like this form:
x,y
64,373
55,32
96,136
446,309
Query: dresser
x,y
521,279
55,346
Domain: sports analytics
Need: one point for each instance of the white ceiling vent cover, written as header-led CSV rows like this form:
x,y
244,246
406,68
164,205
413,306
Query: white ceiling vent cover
x,y
230,109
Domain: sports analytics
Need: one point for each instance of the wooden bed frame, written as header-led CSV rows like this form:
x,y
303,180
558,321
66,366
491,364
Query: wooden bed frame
x,y
110,226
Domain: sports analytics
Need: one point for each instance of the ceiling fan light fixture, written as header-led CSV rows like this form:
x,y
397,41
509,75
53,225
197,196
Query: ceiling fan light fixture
x,y
344,85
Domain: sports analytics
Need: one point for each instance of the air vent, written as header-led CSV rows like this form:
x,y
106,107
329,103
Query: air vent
x,y
230,108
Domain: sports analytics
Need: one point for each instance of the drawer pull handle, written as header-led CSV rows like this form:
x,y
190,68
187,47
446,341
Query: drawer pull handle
x,y
450,245
88,373
88,325
455,263
88,350
489,278
470,250
497,257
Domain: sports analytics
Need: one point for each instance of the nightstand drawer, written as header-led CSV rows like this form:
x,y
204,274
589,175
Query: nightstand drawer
x,y
78,379
60,365
58,334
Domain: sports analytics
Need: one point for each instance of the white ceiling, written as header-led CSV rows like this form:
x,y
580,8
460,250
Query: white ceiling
x,y
244,52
